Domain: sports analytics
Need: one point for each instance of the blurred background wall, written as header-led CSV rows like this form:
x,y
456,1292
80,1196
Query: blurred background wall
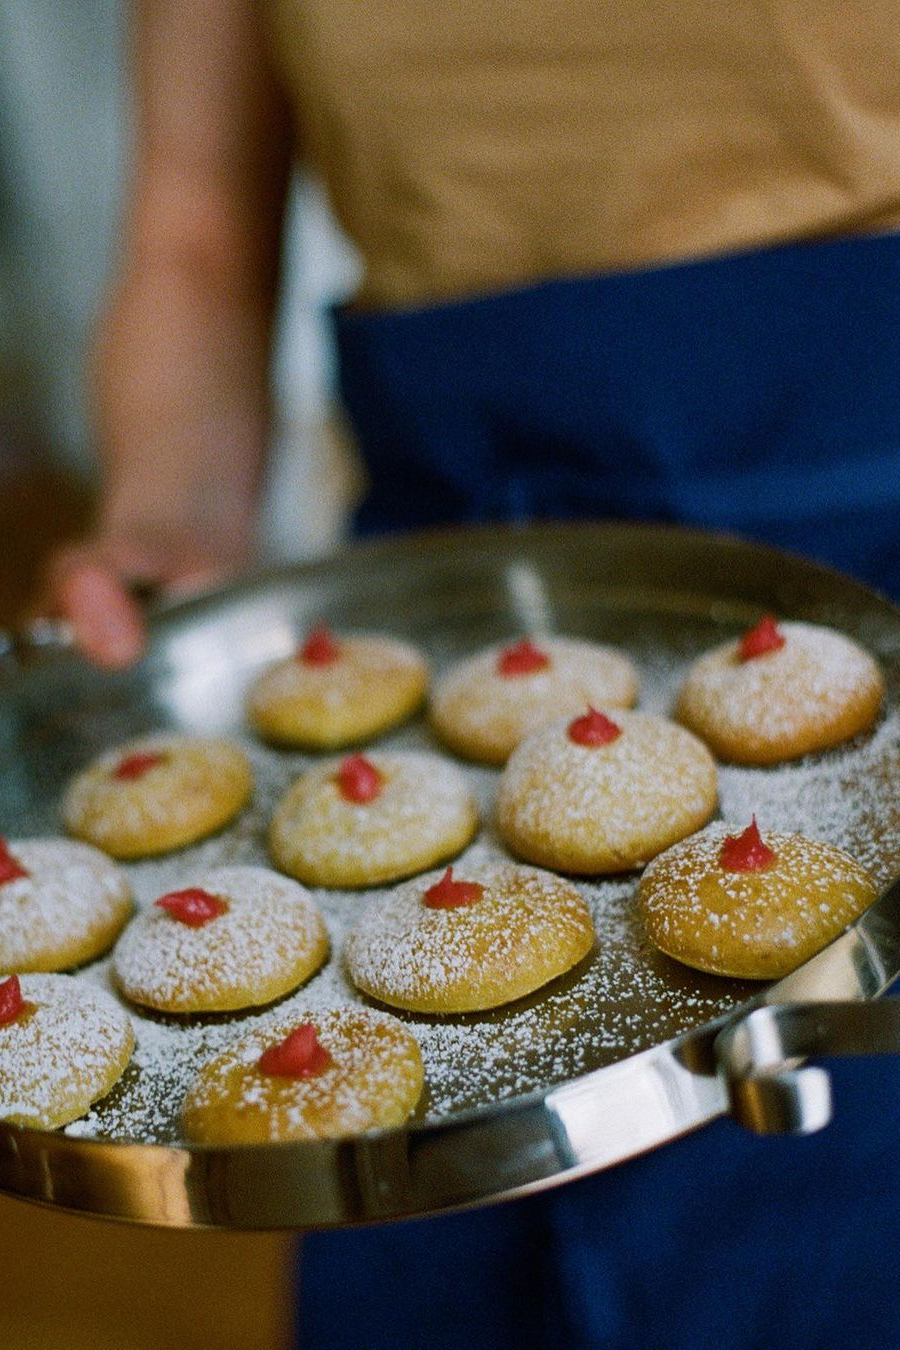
x,y
63,156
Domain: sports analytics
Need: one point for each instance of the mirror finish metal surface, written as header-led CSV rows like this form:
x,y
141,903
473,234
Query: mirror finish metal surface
x,y
610,1091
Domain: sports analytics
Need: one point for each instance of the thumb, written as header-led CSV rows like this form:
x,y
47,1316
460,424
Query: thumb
x,y
106,620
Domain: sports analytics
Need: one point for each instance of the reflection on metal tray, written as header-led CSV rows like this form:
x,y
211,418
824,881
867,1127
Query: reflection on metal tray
x,y
614,1058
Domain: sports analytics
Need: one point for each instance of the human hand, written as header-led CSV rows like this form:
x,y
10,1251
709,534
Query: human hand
x,y
93,584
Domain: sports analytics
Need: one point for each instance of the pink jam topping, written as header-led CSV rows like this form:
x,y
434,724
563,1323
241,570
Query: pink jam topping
x,y
193,906
299,1055
746,852
359,780
765,637
450,894
10,869
523,658
136,765
11,1000
320,648
593,729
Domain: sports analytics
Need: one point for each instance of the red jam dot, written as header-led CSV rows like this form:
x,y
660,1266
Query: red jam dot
x,y
358,780
11,1000
135,766
299,1055
523,658
320,648
193,906
746,852
593,729
10,869
450,894
765,637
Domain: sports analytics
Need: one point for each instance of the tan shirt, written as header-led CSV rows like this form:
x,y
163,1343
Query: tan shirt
x,y
470,145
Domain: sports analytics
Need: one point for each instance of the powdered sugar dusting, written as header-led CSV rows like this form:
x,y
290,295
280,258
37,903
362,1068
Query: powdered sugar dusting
x,y
62,1052
423,812
802,689
599,809
373,1080
271,937
759,923
527,926
73,898
482,713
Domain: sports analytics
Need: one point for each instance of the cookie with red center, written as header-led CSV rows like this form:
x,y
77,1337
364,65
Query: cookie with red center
x,y
337,691
749,903
593,728
63,1051
598,794
484,706
358,780
392,816
300,1055
304,1075
62,903
12,1004
781,690
763,638
237,937
516,929
158,794
319,648
746,852
449,893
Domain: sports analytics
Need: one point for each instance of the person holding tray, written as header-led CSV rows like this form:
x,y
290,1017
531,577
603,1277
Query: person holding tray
x,y
618,261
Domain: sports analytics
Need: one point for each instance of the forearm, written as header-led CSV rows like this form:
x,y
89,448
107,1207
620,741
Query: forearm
x,y
182,408
181,368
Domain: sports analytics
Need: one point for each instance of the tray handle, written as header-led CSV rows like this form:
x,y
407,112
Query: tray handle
x,y
770,1090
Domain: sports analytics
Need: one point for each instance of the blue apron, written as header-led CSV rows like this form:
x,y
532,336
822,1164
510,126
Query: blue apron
x,y
759,393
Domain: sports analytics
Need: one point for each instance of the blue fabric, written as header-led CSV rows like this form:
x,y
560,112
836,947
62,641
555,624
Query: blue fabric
x,y
759,393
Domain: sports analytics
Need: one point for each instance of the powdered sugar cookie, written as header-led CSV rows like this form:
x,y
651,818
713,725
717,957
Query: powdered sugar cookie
x,y
750,905
452,944
596,795
63,1044
235,937
61,903
486,705
337,691
781,691
322,1075
361,821
157,794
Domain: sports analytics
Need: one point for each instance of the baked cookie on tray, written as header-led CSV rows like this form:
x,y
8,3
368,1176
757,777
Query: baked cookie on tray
x,y
781,691
63,1044
363,820
486,705
469,942
752,905
235,937
62,903
604,793
157,794
314,1075
337,691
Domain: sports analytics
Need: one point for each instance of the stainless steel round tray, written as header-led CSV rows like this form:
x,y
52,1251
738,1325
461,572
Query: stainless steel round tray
x,y
614,1059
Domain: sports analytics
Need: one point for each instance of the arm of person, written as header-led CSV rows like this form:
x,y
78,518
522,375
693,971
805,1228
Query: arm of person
x,y
181,362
